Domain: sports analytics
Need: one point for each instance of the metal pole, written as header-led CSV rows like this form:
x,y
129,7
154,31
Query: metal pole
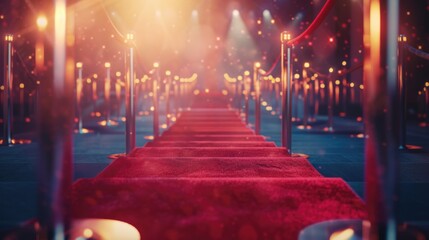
x,y
246,95
331,106
402,130
381,20
79,89
426,105
107,86
55,127
7,96
257,88
155,102
130,124
305,89
167,97
286,76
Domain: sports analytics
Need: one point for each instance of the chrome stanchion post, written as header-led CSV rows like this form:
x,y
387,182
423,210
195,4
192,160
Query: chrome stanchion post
x,y
286,78
7,95
402,127
426,92
246,84
257,87
107,86
240,92
330,101
155,79
236,92
55,127
167,97
381,18
305,90
79,89
130,124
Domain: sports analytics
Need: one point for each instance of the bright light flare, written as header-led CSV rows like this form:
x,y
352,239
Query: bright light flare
x,y
195,13
42,22
235,13
342,234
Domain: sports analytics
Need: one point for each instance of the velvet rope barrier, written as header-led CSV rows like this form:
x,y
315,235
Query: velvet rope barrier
x,y
315,24
266,73
417,52
342,73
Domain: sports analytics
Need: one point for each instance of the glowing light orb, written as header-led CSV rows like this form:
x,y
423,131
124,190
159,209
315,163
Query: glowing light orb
x,y
235,13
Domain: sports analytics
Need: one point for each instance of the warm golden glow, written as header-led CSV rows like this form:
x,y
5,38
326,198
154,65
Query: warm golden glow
x,y
257,64
8,38
87,233
331,70
402,38
130,36
107,65
342,234
168,73
156,64
306,64
21,86
79,65
286,36
42,22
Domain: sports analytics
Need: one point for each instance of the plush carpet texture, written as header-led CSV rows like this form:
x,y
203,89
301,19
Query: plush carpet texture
x,y
210,167
209,176
213,208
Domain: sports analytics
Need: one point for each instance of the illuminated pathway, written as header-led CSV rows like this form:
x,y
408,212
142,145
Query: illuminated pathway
x,y
211,177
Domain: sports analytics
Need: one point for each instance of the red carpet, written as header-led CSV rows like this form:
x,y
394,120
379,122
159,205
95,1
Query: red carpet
x,y
211,177
210,144
210,167
212,208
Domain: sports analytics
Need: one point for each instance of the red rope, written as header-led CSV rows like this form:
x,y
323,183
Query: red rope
x,y
315,24
345,72
272,67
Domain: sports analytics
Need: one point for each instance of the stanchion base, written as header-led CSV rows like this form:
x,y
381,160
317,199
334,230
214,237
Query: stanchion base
x,y
303,127
116,155
85,228
108,123
95,114
83,131
15,142
295,119
411,148
328,129
300,155
351,229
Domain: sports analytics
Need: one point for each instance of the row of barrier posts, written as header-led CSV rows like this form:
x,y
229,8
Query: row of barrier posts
x,y
55,114
152,83
381,160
